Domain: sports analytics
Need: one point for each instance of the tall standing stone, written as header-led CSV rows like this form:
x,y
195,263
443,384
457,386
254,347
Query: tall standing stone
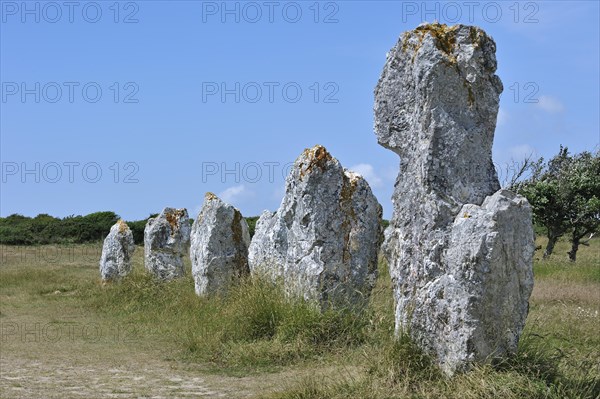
x,y
117,251
323,241
166,243
219,246
460,251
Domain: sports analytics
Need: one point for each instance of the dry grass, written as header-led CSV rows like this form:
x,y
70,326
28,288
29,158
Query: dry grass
x,y
566,292
163,340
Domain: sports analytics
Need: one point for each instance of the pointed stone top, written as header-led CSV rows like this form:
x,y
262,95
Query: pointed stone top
x,y
317,156
317,151
210,196
352,176
122,226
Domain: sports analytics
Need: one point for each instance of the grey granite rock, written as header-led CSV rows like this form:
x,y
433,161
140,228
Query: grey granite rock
x,y
166,243
322,243
117,251
435,106
219,246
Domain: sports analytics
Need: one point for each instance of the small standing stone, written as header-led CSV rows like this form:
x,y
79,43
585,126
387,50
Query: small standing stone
x,y
166,243
219,246
117,251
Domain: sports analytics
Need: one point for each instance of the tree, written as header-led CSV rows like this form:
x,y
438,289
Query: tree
x,y
14,230
95,226
583,198
565,197
543,191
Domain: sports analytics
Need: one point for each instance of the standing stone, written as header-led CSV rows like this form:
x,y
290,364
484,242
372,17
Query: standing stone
x,y
166,242
219,246
117,250
323,241
460,256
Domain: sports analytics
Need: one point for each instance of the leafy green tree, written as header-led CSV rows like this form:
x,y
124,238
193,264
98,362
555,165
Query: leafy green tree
x,y
45,229
543,191
565,196
15,230
41,227
583,198
95,226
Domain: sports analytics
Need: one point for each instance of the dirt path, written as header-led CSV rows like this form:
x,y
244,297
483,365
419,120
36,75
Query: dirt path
x,y
60,377
33,365
22,378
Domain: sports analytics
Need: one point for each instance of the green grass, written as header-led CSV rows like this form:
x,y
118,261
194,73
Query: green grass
x,y
256,329
558,356
557,266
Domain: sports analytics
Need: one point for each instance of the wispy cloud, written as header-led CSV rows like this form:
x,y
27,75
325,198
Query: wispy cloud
x,y
550,104
368,172
233,194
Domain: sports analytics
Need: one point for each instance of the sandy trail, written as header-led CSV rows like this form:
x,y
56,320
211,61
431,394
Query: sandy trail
x,y
143,378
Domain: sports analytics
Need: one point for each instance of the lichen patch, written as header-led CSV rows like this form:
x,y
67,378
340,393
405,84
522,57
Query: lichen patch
x,y
317,156
122,226
173,218
210,196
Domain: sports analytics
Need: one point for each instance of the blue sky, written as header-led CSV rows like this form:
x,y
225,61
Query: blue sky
x,y
134,106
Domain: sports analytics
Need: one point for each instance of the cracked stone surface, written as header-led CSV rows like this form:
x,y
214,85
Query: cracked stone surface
x,y
166,243
459,249
118,247
219,246
322,242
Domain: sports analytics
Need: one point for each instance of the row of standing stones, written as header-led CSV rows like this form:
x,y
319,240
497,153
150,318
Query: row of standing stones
x,y
322,243
459,248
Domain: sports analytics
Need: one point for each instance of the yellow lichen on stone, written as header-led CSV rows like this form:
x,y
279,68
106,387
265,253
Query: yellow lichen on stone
x,y
316,156
404,40
122,226
173,217
476,36
210,196
445,36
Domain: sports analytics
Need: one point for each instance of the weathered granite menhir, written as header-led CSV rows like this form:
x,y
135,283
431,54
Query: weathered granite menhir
x,y
117,251
166,243
219,247
459,249
322,242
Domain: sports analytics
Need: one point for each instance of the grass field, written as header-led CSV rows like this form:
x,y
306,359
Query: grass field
x,y
65,335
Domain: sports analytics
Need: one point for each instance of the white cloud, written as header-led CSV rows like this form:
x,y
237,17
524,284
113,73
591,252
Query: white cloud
x,y
368,172
233,194
550,104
